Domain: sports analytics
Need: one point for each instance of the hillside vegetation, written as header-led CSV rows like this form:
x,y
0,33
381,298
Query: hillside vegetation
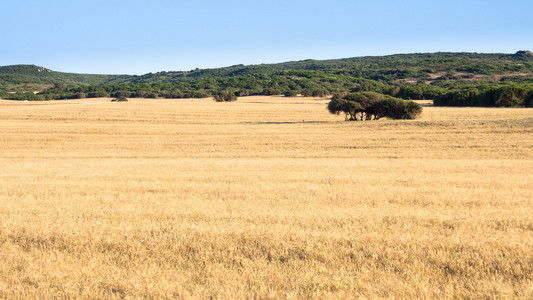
x,y
408,76
34,78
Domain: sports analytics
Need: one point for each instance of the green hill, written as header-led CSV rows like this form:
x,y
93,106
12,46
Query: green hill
x,y
391,67
400,66
419,75
35,78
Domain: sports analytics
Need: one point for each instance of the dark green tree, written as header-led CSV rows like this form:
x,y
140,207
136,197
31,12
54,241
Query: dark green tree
x,y
373,106
225,96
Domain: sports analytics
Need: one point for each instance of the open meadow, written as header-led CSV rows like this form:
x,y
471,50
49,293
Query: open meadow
x,y
266,197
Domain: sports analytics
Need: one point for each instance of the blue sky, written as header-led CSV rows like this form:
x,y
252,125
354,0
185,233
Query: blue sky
x,y
137,37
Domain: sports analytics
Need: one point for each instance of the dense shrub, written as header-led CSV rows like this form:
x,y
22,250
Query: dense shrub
x,y
78,96
98,94
465,97
121,94
501,96
316,92
398,109
291,93
528,101
272,91
225,96
243,93
319,93
25,96
416,91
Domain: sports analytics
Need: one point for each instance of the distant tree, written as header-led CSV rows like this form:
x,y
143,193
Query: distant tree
x,y
60,86
307,93
271,91
142,93
225,96
121,94
78,96
507,97
243,93
100,93
528,101
315,92
291,93
319,93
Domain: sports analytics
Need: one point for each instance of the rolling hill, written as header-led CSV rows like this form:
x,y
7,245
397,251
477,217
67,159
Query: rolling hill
x,y
36,78
373,67
398,66
419,75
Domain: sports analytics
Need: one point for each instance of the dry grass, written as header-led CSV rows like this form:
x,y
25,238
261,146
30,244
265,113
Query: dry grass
x,y
266,197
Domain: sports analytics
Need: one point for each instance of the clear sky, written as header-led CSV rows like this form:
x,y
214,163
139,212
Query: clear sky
x,y
137,37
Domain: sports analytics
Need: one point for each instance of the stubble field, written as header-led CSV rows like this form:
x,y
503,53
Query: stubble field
x,y
266,197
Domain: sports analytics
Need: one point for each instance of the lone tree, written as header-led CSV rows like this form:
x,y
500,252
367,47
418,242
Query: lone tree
x,y
225,96
373,106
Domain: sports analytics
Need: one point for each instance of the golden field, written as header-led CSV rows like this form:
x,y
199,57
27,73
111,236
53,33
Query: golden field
x,y
266,197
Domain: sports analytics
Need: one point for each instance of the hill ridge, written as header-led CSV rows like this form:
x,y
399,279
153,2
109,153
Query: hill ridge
x,y
408,67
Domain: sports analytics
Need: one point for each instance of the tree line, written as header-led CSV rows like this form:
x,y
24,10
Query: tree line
x,y
490,96
508,91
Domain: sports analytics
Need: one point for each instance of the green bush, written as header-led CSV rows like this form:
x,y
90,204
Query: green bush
x,y
225,96
528,101
291,93
98,94
271,91
315,92
243,93
503,96
398,109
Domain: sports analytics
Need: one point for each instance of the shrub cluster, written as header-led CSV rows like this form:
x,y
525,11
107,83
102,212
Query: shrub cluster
x,y
290,93
225,96
528,101
501,96
373,106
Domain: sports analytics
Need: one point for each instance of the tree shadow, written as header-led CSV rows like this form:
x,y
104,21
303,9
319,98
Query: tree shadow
x,y
288,122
